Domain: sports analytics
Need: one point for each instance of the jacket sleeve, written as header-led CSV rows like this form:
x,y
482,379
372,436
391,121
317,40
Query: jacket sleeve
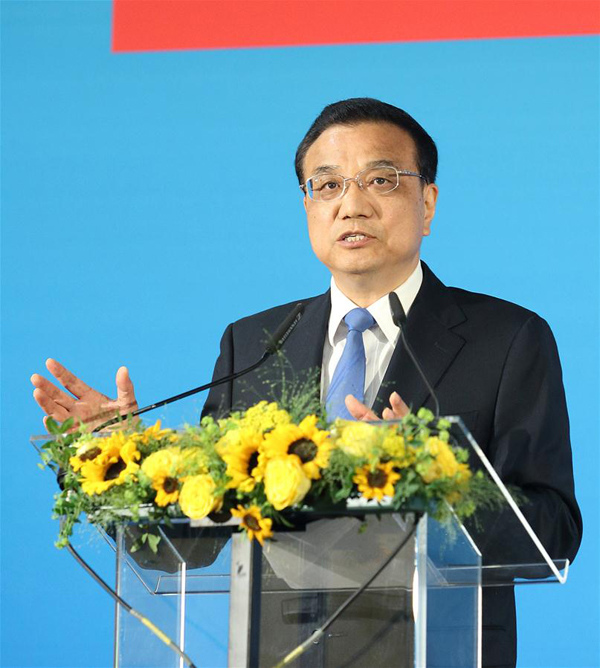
x,y
531,449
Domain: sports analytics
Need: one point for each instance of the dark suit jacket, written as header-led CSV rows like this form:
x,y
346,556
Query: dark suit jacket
x,y
493,363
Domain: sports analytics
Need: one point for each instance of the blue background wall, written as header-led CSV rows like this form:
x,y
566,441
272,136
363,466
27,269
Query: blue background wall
x,y
116,221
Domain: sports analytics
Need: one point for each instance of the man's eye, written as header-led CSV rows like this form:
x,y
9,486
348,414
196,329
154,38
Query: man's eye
x,y
379,182
326,185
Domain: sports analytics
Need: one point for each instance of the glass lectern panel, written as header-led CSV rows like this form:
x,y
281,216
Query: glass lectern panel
x,y
511,551
183,589
412,614
308,575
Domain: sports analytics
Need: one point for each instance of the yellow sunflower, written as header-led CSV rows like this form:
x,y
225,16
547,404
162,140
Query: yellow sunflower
x,y
154,433
197,497
286,483
112,467
378,482
243,463
310,445
86,452
254,523
167,489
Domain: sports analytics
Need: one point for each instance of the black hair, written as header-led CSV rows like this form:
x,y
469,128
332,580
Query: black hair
x,y
365,109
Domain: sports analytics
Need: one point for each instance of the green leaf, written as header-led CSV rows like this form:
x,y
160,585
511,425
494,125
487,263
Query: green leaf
x,y
136,545
53,426
67,424
153,541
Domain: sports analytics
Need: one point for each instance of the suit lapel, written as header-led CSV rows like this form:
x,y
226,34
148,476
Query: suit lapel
x,y
304,349
435,346
429,332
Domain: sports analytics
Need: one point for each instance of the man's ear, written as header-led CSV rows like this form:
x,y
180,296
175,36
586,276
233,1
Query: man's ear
x,y
305,199
430,195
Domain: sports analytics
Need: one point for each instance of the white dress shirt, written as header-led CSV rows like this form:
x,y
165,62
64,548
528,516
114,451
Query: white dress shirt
x,y
379,341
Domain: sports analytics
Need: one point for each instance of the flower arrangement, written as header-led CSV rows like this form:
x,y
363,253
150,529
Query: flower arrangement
x,y
261,466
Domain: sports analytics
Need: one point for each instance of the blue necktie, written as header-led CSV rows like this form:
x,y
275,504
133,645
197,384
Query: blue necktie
x,y
349,375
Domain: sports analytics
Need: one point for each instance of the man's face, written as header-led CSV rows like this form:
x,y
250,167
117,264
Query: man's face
x,y
364,236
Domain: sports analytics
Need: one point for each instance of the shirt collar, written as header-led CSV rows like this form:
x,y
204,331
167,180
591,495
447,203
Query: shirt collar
x,y
380,310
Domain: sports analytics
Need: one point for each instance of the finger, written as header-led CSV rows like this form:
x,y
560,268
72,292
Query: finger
x,y
388,414
67,379
358,410
399,408
52,391
49,406
125,393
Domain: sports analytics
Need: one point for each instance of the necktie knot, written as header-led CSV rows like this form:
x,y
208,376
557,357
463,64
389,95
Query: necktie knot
x,y
359,320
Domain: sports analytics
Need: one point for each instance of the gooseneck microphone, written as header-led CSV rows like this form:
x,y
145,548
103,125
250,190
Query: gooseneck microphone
x,y
399,318
274,343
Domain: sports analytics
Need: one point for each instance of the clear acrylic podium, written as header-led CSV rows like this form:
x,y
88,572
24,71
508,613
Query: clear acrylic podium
x,y
228,602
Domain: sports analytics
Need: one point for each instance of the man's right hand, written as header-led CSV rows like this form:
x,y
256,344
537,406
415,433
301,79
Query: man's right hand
x,y
86,405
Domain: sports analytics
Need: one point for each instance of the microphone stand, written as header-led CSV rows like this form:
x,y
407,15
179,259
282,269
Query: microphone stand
x,y
275,343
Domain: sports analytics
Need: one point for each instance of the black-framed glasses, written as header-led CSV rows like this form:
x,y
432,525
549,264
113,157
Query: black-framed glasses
x,y
376,180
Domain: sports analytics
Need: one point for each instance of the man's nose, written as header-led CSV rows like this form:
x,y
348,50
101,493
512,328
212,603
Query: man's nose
x,y
355,202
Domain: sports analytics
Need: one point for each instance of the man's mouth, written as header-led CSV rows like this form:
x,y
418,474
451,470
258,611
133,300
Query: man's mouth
x,y
354,237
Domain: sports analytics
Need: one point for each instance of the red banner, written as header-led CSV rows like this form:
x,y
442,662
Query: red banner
x,y
162,25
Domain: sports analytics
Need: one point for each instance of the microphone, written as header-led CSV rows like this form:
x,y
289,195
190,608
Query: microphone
x,y
274,343
400,320
284,330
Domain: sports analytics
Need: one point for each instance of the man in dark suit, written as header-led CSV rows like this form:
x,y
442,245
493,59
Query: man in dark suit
x,y
493,363
367,171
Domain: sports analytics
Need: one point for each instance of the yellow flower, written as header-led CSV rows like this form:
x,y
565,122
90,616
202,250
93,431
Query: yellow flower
x,y
242,461
86,452
192,461
163,467
154,433
264,416
378,482
116,463
286,484
395,446
358,439
444,464
229,442
165,461
167,489
197,497
310,445
254,523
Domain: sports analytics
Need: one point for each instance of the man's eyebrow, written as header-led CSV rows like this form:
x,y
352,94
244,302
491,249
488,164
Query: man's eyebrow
x,y
326,169
381,163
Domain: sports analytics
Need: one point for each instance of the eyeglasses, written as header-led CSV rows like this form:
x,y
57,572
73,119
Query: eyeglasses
x,y
377,180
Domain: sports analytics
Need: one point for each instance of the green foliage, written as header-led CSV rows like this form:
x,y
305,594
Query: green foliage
x,y
128,476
